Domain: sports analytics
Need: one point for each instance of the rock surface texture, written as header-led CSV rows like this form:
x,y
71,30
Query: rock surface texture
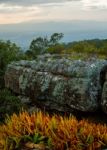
x,y
61,84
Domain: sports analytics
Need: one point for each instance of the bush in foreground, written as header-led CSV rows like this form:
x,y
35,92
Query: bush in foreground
x,y
8,52
39,130
9,103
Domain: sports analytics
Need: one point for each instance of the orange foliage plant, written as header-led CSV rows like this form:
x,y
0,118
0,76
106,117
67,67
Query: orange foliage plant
x,y
64,133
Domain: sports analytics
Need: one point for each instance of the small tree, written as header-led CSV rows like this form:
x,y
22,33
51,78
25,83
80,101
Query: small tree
x,y
42,45
55,38
39,45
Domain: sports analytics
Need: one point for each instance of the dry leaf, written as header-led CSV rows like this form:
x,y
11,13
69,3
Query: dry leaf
x,y
32,145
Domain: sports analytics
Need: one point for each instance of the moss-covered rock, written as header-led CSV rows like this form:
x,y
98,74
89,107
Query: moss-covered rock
x,y
59,84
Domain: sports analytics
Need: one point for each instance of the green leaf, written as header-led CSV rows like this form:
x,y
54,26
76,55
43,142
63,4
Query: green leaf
x,y
49,143
90,139
27,138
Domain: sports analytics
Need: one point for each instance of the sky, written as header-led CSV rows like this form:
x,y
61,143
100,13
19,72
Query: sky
x,y
19,11
24,20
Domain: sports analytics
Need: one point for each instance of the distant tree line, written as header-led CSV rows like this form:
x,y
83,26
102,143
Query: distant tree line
x,y
53,45
95,46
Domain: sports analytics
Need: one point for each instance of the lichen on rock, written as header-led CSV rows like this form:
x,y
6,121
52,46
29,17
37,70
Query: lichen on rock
x,y
60,84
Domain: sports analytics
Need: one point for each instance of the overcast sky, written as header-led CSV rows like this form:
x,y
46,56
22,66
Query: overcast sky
x,y
18,11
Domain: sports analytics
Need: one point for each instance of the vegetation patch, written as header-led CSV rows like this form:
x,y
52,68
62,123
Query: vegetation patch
x,y
42,131
9,103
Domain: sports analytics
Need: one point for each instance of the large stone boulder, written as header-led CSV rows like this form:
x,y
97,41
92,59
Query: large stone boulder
x,y
103,76
59,84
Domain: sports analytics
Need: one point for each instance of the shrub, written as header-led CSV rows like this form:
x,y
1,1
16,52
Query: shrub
x,y
8,52
8,103
55,49
54,132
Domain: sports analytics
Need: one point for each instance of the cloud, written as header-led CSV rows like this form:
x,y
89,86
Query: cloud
x,y
33,2
17,14
4,8
30,2
44,11
94,4
17,11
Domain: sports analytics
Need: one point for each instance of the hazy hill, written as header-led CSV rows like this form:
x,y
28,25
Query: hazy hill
x,y
23,33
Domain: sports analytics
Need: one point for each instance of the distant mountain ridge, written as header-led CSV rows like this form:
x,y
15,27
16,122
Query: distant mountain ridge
x,y
23,33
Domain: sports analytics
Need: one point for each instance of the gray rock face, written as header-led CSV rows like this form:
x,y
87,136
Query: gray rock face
x,y
60,84
104,90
